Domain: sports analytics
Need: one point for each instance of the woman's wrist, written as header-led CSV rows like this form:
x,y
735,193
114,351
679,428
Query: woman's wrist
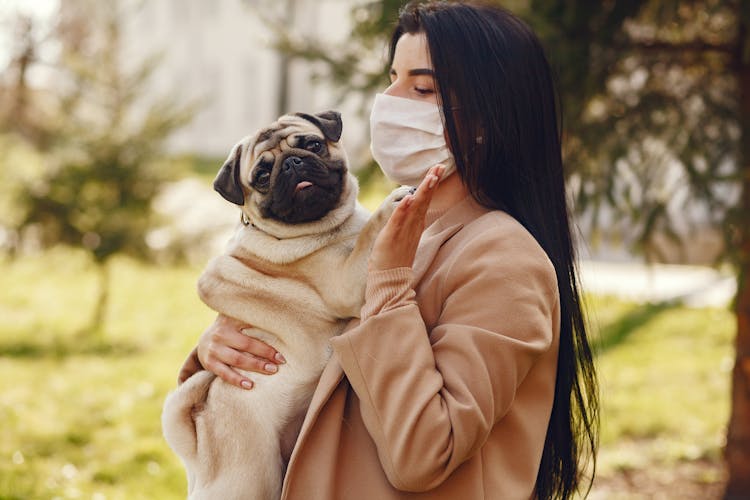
x,y
386,289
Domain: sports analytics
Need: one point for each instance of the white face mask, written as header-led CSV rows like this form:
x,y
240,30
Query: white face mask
x,y
407,139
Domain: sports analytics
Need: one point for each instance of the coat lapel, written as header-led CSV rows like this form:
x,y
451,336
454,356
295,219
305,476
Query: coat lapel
x,y
431,241
329,380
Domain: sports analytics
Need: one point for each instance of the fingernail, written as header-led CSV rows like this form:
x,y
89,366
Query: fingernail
x,y
439,171
408,200
433,182
246,384
270,367
278,357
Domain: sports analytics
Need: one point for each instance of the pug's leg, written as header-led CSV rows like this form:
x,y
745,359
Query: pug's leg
x,y
353,275
178,420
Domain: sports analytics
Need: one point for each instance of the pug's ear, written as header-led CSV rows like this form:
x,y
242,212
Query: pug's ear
x,y
227,182
329,122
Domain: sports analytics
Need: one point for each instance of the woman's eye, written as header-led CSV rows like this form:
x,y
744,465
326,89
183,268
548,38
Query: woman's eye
x,y
314,146
423,91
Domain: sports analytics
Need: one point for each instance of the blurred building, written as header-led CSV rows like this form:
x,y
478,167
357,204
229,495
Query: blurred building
x,y
220,54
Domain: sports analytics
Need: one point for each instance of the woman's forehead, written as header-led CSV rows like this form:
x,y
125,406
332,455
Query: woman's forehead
x,y
411,52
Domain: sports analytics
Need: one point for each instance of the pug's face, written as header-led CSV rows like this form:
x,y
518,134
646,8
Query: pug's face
x,y
294,171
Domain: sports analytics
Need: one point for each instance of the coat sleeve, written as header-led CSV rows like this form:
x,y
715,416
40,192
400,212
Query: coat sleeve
x,y
430,399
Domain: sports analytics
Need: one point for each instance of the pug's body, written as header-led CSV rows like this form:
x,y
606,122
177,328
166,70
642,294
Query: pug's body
x,y
295,270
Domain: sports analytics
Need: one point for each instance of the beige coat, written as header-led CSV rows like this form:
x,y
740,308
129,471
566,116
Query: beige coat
x,y
445,387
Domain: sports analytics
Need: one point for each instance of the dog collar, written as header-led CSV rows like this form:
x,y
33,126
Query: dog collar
x,y
246,222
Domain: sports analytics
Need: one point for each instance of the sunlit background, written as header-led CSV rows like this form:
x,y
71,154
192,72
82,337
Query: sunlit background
x,y
115,116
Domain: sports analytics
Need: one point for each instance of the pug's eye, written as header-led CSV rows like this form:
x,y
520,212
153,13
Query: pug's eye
x,y
262,178
314,146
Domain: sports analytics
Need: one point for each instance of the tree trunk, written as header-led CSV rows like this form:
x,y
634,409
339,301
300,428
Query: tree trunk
x,y
282,99
738,437
95,328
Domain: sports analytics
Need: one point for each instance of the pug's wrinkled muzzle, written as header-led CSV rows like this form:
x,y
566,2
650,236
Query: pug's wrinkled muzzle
x,y
305,189
291,164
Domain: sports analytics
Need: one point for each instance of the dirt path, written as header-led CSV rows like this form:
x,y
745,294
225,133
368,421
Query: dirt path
x,y
698,480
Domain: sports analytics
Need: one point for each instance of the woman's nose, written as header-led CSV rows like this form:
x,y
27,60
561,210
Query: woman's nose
x,y
393,90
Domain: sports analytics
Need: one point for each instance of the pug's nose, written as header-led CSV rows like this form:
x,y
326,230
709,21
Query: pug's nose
x,y
292,163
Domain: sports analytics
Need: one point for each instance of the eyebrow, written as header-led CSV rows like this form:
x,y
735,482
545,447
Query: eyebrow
x,y
417,72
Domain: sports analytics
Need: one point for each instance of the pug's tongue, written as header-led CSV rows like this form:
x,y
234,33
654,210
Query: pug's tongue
x,y
302,185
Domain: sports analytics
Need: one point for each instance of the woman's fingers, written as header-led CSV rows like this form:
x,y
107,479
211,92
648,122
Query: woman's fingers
x,y
241,342
221,354
426,188
223,350
413,207
226,331
397,243
231,376
224,362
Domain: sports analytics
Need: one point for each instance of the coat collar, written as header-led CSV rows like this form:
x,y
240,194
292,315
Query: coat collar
x,y
434,236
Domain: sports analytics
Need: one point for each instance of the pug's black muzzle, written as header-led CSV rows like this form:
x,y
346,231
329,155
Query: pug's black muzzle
x,y
304,189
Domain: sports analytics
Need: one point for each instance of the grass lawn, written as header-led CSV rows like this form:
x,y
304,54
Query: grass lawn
x,y
665,375
79,416
79,413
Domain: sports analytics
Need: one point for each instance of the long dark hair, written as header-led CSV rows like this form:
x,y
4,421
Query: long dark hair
x,y
501,115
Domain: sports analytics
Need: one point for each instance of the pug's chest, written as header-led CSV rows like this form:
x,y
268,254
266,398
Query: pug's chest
x,y
303,294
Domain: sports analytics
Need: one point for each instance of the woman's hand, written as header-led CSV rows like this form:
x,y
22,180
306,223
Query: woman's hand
x,y
397,243
223,348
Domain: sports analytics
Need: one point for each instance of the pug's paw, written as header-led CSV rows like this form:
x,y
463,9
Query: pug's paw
x,y
399,194
384,211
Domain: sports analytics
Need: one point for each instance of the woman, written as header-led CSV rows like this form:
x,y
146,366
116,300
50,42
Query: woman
x,y
469,374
